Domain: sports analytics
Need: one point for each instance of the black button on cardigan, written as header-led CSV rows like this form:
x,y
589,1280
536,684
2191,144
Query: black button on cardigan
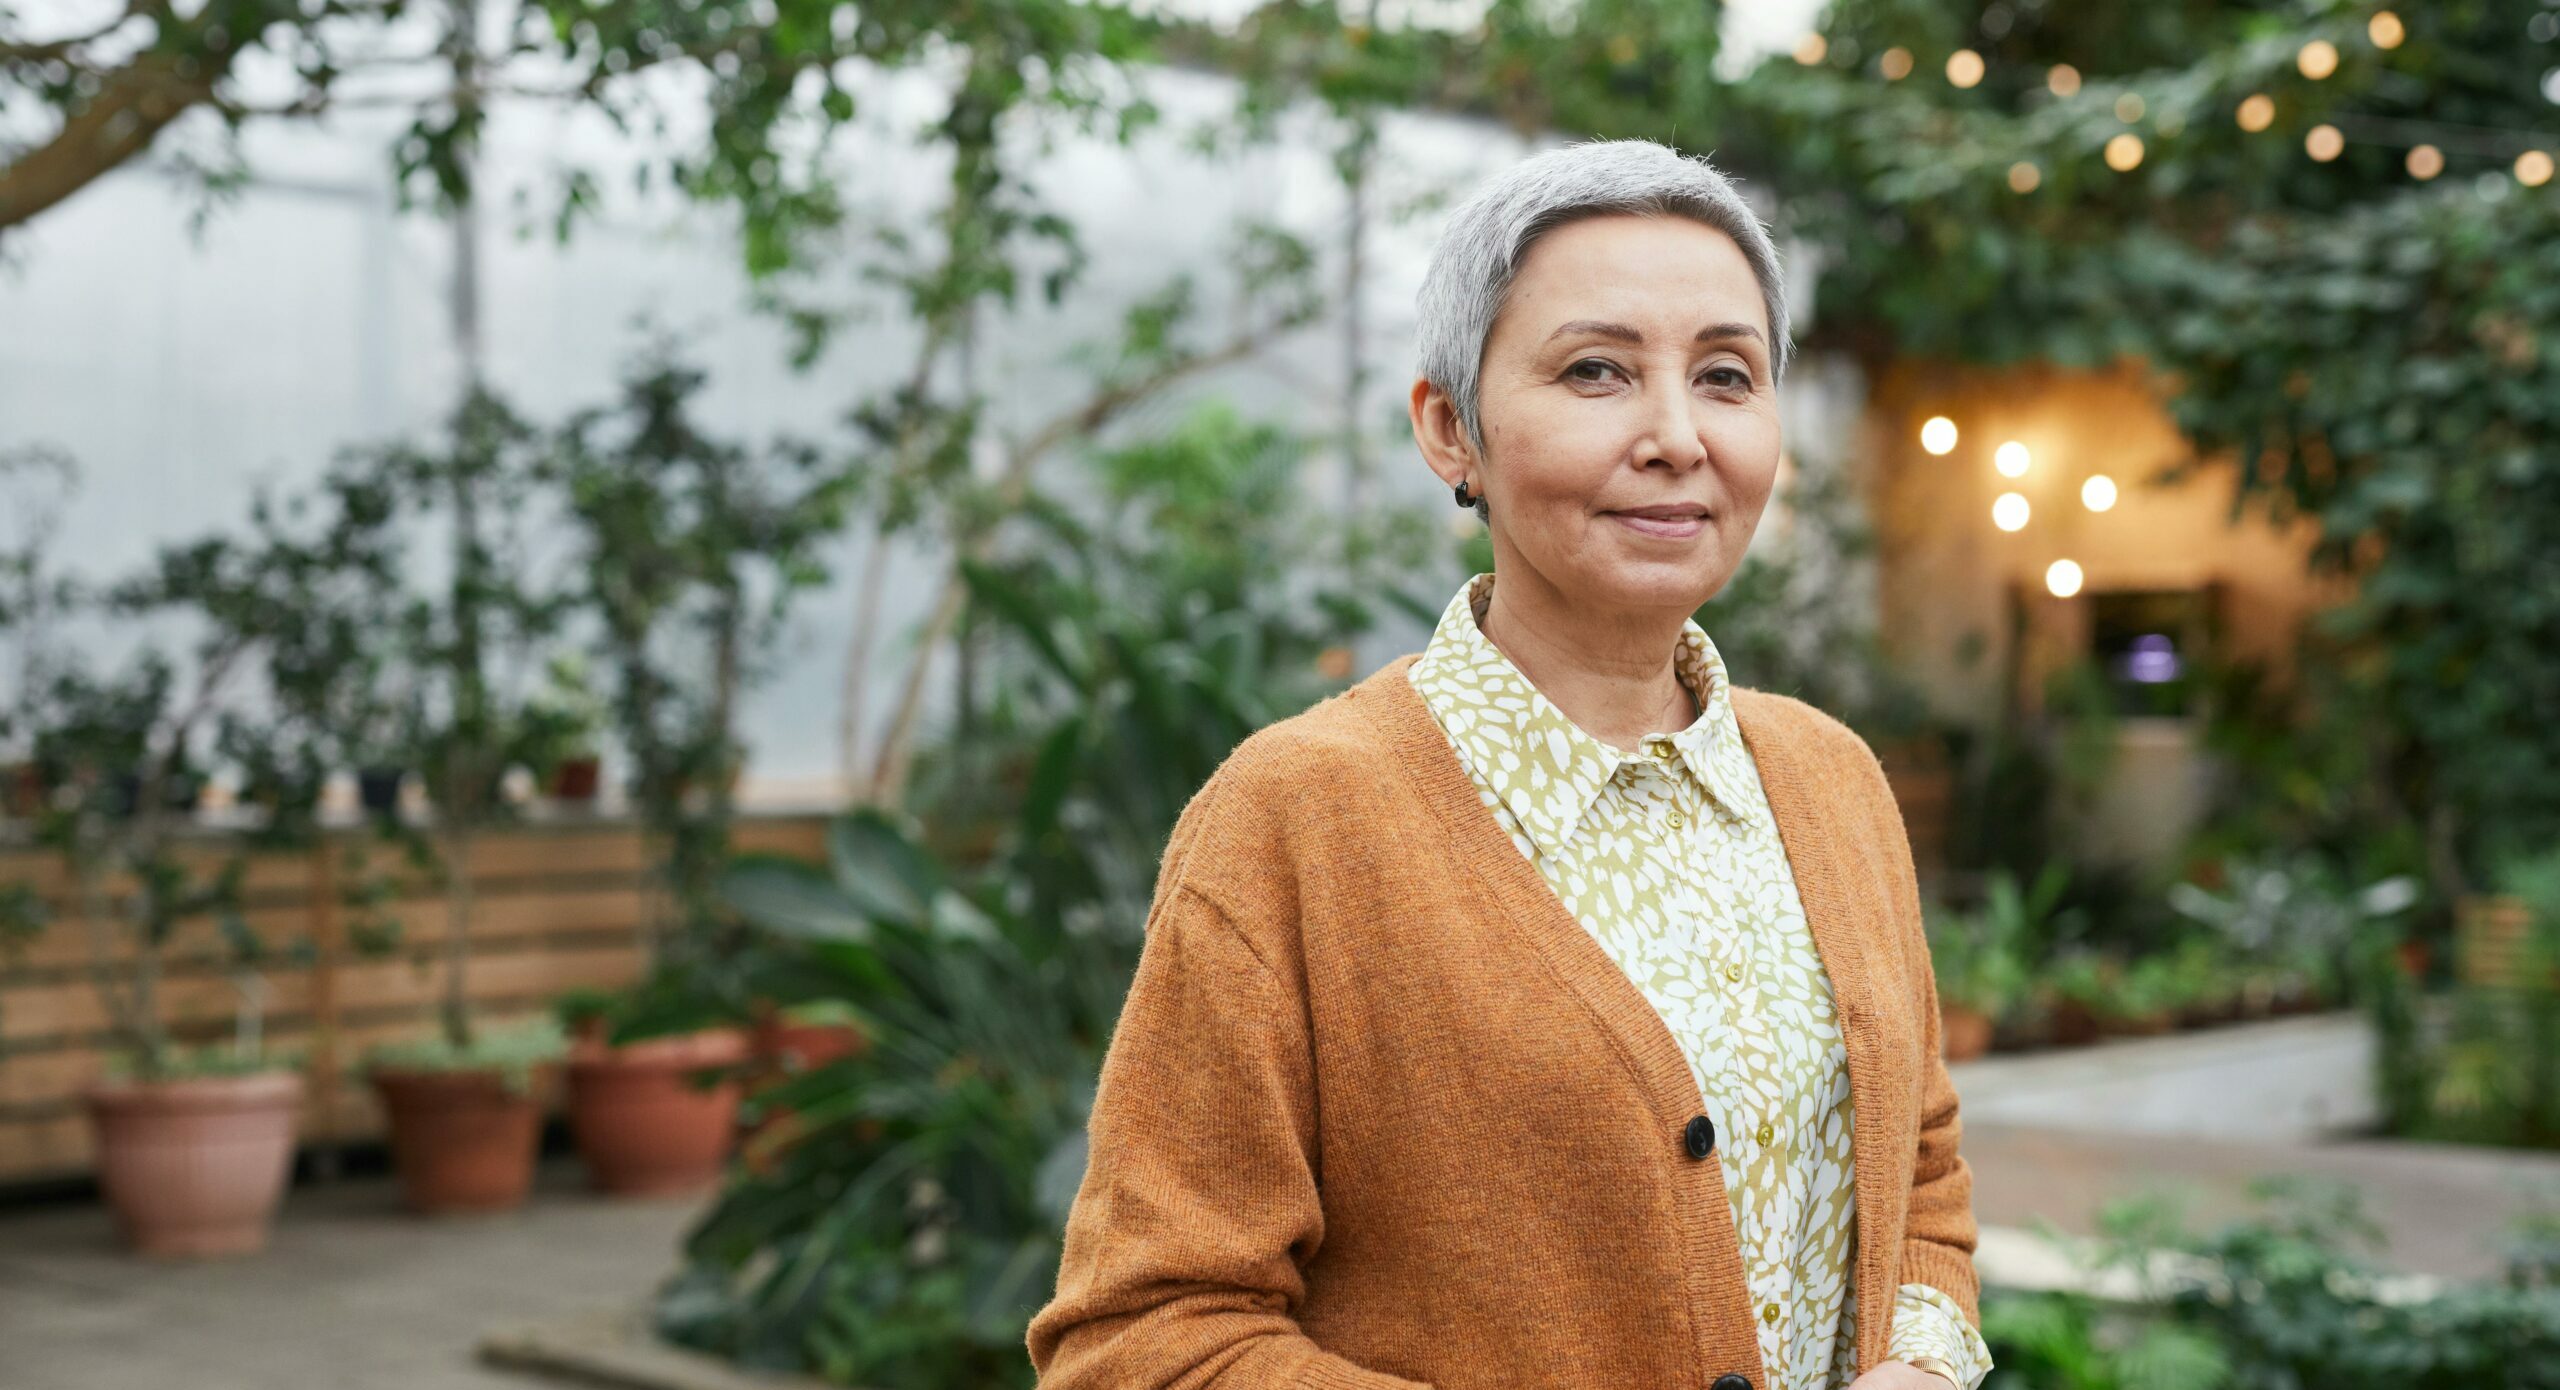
x,y
1702,1141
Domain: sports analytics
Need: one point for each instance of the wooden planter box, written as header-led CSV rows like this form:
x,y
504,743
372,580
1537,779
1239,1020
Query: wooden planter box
x,y
2490,935
556,906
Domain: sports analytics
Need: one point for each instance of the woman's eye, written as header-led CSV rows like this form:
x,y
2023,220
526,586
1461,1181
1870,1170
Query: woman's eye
x,y
1589,362
1734,377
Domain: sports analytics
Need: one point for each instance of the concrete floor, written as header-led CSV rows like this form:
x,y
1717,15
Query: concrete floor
x,y
2444,1209
353,1293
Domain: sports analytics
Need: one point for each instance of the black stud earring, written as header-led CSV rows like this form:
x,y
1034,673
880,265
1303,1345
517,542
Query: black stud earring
x,y
1463,499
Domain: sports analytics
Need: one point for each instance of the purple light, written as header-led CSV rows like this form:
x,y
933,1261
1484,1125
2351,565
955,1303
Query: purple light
x,y
2153,659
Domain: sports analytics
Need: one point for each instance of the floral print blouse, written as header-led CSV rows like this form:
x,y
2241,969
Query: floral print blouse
x,y
1670,856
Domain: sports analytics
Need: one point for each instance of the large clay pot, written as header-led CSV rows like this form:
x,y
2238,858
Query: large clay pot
x,y
195,1167
644,1126
1963,1034
461,1140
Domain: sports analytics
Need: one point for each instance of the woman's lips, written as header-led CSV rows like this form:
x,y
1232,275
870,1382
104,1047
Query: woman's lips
x,y
1668,528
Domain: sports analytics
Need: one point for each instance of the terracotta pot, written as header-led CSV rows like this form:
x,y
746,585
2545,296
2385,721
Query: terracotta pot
x,y
195,1167
461,1140
643,1125
576,779
2071,1024
1963,1034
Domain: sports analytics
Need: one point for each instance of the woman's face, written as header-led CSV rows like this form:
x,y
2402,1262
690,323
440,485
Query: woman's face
x,y
1628,373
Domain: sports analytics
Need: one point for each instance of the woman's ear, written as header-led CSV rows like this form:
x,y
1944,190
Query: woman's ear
x,y
1440,437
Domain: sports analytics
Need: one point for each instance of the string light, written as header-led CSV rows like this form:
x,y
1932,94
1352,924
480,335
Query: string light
x,y
1938,436
1896,63
2062,579
2257,113
2318,59
2063,80
2425,162
2009,511
2385,29
2324,143
1811,49
2533,168
2124,153
2011,459
2129,107
1964,67
2098,493
2024,176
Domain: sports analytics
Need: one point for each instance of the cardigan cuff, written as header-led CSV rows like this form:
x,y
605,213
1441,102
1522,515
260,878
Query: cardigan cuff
x,y
1326,1371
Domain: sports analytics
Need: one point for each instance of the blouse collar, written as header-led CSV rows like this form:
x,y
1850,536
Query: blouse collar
x,y
1552,769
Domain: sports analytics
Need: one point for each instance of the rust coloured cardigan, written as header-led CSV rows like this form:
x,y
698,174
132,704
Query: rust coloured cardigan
x,y
1380,1113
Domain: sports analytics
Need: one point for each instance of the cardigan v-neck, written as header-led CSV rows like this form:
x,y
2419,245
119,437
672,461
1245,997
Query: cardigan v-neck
x,y
1324,1000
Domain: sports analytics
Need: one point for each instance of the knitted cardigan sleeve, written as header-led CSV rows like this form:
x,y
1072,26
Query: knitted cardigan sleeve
x,y
1939,1231
1184,1249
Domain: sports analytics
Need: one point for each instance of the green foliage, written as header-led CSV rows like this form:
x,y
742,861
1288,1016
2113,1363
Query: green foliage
x,y
2278,1298
514,1052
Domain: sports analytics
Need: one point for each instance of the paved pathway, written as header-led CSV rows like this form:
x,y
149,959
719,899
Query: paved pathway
x,y
353,1294
357,1295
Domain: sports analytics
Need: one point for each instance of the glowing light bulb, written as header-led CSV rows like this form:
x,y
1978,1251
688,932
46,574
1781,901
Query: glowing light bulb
x,y
2062,578
2385,29
2098,493
2257,113
1964,67
2324,143
2124,153
2009,511
2318,59
1938,436
1895,64
2425,162
1812,49
2024,176
2533,168
2011,459
2063,80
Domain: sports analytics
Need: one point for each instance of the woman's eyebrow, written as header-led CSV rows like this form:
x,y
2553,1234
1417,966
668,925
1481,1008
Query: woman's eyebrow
x,y
1619,332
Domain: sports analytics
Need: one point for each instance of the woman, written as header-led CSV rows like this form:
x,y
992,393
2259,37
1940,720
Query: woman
x,y
1454,983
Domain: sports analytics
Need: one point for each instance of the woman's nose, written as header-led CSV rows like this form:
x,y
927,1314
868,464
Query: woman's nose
x,y
1671,425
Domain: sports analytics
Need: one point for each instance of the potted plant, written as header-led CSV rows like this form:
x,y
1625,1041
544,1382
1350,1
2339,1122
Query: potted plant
x,y
464,1105
194,1143
654,1082
691,551
562,724
1981,972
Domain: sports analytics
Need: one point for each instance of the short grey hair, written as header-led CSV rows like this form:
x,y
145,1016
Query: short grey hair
x,y
1480,250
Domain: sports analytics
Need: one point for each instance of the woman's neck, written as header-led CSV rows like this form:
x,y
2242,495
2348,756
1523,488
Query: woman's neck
x,y
1615,679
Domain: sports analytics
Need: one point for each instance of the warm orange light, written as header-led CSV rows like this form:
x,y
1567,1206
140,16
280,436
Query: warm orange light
x,y
2318,59
2533,168
1938,436
1812,49
2129,107
2009,511
2257,113
2098,493
2062,579
2385,29
2324,143
2124,153
1896,63
2425,162
2024,176
2063,80
2012,459
1964,67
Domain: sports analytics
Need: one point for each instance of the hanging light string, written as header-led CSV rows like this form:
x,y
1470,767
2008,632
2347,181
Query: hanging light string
x,y
2529,153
